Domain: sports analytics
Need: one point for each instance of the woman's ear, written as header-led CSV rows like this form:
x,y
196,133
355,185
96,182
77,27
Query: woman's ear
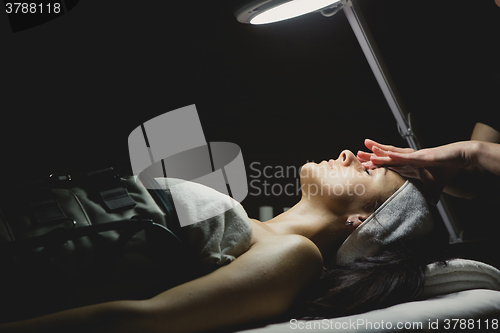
x,y
354,221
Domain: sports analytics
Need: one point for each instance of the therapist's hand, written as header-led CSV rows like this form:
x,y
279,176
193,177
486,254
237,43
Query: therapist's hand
x,y
434,167
454,155
380,158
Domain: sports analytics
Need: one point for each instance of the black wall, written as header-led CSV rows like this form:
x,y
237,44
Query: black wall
x,y
297,91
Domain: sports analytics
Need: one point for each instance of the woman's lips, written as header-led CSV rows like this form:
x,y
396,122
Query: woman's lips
x,y
330,162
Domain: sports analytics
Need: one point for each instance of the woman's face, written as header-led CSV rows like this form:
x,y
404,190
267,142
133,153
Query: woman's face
x,y
346,186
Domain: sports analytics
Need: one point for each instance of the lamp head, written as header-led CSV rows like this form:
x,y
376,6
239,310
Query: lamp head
x,y
269,11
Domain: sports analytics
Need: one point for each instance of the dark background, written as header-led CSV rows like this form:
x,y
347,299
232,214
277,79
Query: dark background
x,y
296,91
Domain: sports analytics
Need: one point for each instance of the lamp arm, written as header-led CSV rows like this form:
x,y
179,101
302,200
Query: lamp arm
x,y
372,54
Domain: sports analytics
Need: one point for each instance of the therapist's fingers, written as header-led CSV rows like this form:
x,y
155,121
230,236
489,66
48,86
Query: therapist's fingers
x,y
371,144
363,156
383,155
369,165
416,158
379,152
378,161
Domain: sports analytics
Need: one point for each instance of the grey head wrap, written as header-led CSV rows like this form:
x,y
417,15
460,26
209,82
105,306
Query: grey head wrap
x,y
404,216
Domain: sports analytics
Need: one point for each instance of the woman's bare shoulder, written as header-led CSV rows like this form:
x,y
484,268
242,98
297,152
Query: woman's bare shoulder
x,y
291,246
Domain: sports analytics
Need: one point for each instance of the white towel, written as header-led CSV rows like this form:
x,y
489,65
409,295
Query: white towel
x,y
220,228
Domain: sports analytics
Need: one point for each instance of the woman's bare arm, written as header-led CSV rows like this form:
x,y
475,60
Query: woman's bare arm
x,y
261,283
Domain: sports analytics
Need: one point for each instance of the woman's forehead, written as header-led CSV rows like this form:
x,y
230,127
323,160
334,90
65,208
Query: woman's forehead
x,y
391,181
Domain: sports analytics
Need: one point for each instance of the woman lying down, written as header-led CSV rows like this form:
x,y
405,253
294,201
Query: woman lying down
x,y
282,260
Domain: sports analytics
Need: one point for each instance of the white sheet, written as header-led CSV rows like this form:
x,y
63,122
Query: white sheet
x,y
477,308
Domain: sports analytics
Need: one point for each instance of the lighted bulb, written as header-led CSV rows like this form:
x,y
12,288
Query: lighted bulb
x,y
291,9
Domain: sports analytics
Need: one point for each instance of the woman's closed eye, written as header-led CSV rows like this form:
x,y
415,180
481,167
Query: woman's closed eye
x,y
368,171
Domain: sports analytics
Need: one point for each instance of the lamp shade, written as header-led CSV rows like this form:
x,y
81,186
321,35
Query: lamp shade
x,y
269,11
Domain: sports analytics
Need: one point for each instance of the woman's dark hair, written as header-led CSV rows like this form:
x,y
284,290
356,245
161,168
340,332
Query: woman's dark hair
x,y
389,278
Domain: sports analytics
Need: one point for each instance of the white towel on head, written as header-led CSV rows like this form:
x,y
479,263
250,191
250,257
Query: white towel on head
x,y
224,230
404,216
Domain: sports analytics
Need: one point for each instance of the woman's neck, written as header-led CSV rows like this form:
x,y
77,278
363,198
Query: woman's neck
x,y
321,226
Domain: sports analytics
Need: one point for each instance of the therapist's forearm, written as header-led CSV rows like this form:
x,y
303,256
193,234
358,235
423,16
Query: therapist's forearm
x,y
486,156
471,182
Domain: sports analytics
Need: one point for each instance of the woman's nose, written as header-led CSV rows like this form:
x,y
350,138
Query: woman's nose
x,y
347,158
